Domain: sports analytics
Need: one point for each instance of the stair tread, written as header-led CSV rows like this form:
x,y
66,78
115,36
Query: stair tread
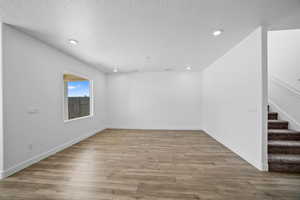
x,y
284,158
277,121
284,143
282,131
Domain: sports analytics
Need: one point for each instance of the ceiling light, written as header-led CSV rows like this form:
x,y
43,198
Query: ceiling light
x,y
188,68
115,70
218,32
73,42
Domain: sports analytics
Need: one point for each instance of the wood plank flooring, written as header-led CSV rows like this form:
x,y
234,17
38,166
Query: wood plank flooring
x,y
142,164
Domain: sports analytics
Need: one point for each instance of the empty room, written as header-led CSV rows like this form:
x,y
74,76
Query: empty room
x,y
149,100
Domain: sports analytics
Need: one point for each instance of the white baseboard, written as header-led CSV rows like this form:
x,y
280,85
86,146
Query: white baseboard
x,y
257,164
192,128
265,167
285,85
37,158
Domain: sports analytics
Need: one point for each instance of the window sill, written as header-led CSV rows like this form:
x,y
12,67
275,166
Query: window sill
x,y
78,118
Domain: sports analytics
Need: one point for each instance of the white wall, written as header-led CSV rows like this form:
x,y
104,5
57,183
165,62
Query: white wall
x,y
234,99
33,79
1,102
284,72
226,99
284,59
154,100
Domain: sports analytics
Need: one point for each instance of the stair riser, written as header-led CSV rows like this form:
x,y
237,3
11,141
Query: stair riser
x,y
277,125
283,167
284,150
283,137
273,116
283,156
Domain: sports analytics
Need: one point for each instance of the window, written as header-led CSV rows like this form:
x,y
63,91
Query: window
x,y
77,97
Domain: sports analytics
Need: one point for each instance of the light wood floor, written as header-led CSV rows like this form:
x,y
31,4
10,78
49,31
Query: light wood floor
x,y
136,164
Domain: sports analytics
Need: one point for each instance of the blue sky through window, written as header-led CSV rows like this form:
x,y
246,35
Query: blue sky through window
x,y
79,88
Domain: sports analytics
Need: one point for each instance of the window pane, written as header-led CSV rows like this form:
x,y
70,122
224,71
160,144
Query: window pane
x,y
79,88
77,95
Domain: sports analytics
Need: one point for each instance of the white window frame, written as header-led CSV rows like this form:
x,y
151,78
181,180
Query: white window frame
x,y
91,90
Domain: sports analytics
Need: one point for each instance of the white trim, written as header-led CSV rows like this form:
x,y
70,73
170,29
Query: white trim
x,y
44,155
180,128
78,118
264,99
285,85
265,167
284,115
1,100
91,96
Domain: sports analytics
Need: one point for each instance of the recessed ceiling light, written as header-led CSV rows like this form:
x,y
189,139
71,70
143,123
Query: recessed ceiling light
x,y
188,68
73,42
218,32
115,70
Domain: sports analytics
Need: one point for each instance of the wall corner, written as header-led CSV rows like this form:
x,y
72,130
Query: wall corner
x,y
264,108
1,103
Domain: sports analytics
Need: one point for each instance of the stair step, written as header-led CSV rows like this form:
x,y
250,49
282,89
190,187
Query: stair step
x,y
278,124
284,163
283,134
284,147
273,115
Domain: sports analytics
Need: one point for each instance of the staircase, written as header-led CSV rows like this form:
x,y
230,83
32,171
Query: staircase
x,y
283,146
